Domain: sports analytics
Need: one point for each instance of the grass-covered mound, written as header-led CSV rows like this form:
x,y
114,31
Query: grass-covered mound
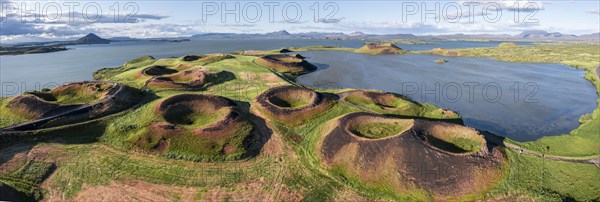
x,y
291,103
451,137
380,49
507,45
197,127
263,52
391,103
209,58
401,161
368,48
182,73
284,63
190,79
106,73
443,51
379,127
71,103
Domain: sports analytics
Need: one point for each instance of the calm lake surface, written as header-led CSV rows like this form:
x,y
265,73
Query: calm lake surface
x,y
549,101
36,71
562,94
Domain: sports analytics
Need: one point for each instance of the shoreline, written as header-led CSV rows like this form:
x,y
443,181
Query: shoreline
x,y
11,51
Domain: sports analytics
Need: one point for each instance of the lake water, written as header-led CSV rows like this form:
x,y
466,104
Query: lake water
x,y
522,101
36,71
562,95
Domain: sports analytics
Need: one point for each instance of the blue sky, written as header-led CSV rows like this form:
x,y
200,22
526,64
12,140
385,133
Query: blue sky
x,y
185,18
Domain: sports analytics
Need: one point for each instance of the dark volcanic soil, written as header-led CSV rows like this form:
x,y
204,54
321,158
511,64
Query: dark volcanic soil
x,y
407,161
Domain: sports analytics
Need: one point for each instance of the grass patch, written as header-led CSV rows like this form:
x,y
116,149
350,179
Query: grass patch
x,y
547,180
8,118
457,139
194,119
376,130
76,93
397,105
26,179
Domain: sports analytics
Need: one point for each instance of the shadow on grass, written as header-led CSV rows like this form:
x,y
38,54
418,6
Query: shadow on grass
x,y
213,80
78,133
260,134
493,140
219,78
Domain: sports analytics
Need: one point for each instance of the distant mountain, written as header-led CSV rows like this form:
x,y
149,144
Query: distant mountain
x,y
530,35
122,38
307,35
540,34
279,33
357,34
392,36
91,39
591,37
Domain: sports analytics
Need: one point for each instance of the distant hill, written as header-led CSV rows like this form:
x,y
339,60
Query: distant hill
x,y
307,35
529,35
122,38
279,33
593,37
91,39
543,34
357,34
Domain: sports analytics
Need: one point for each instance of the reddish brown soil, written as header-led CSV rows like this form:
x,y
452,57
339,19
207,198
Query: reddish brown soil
x,y
131,191
408,162
144,191
287,63
317,103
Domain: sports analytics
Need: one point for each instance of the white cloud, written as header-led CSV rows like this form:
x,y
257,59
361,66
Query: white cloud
x,y
594,12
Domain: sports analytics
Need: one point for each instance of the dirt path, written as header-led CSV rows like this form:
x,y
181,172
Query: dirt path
x,y
496,141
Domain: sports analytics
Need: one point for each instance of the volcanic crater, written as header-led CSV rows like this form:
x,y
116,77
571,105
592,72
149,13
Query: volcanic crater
x,y
292,103
445,159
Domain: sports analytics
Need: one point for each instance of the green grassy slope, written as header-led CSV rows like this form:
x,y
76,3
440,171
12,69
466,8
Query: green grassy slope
x,y
98,156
